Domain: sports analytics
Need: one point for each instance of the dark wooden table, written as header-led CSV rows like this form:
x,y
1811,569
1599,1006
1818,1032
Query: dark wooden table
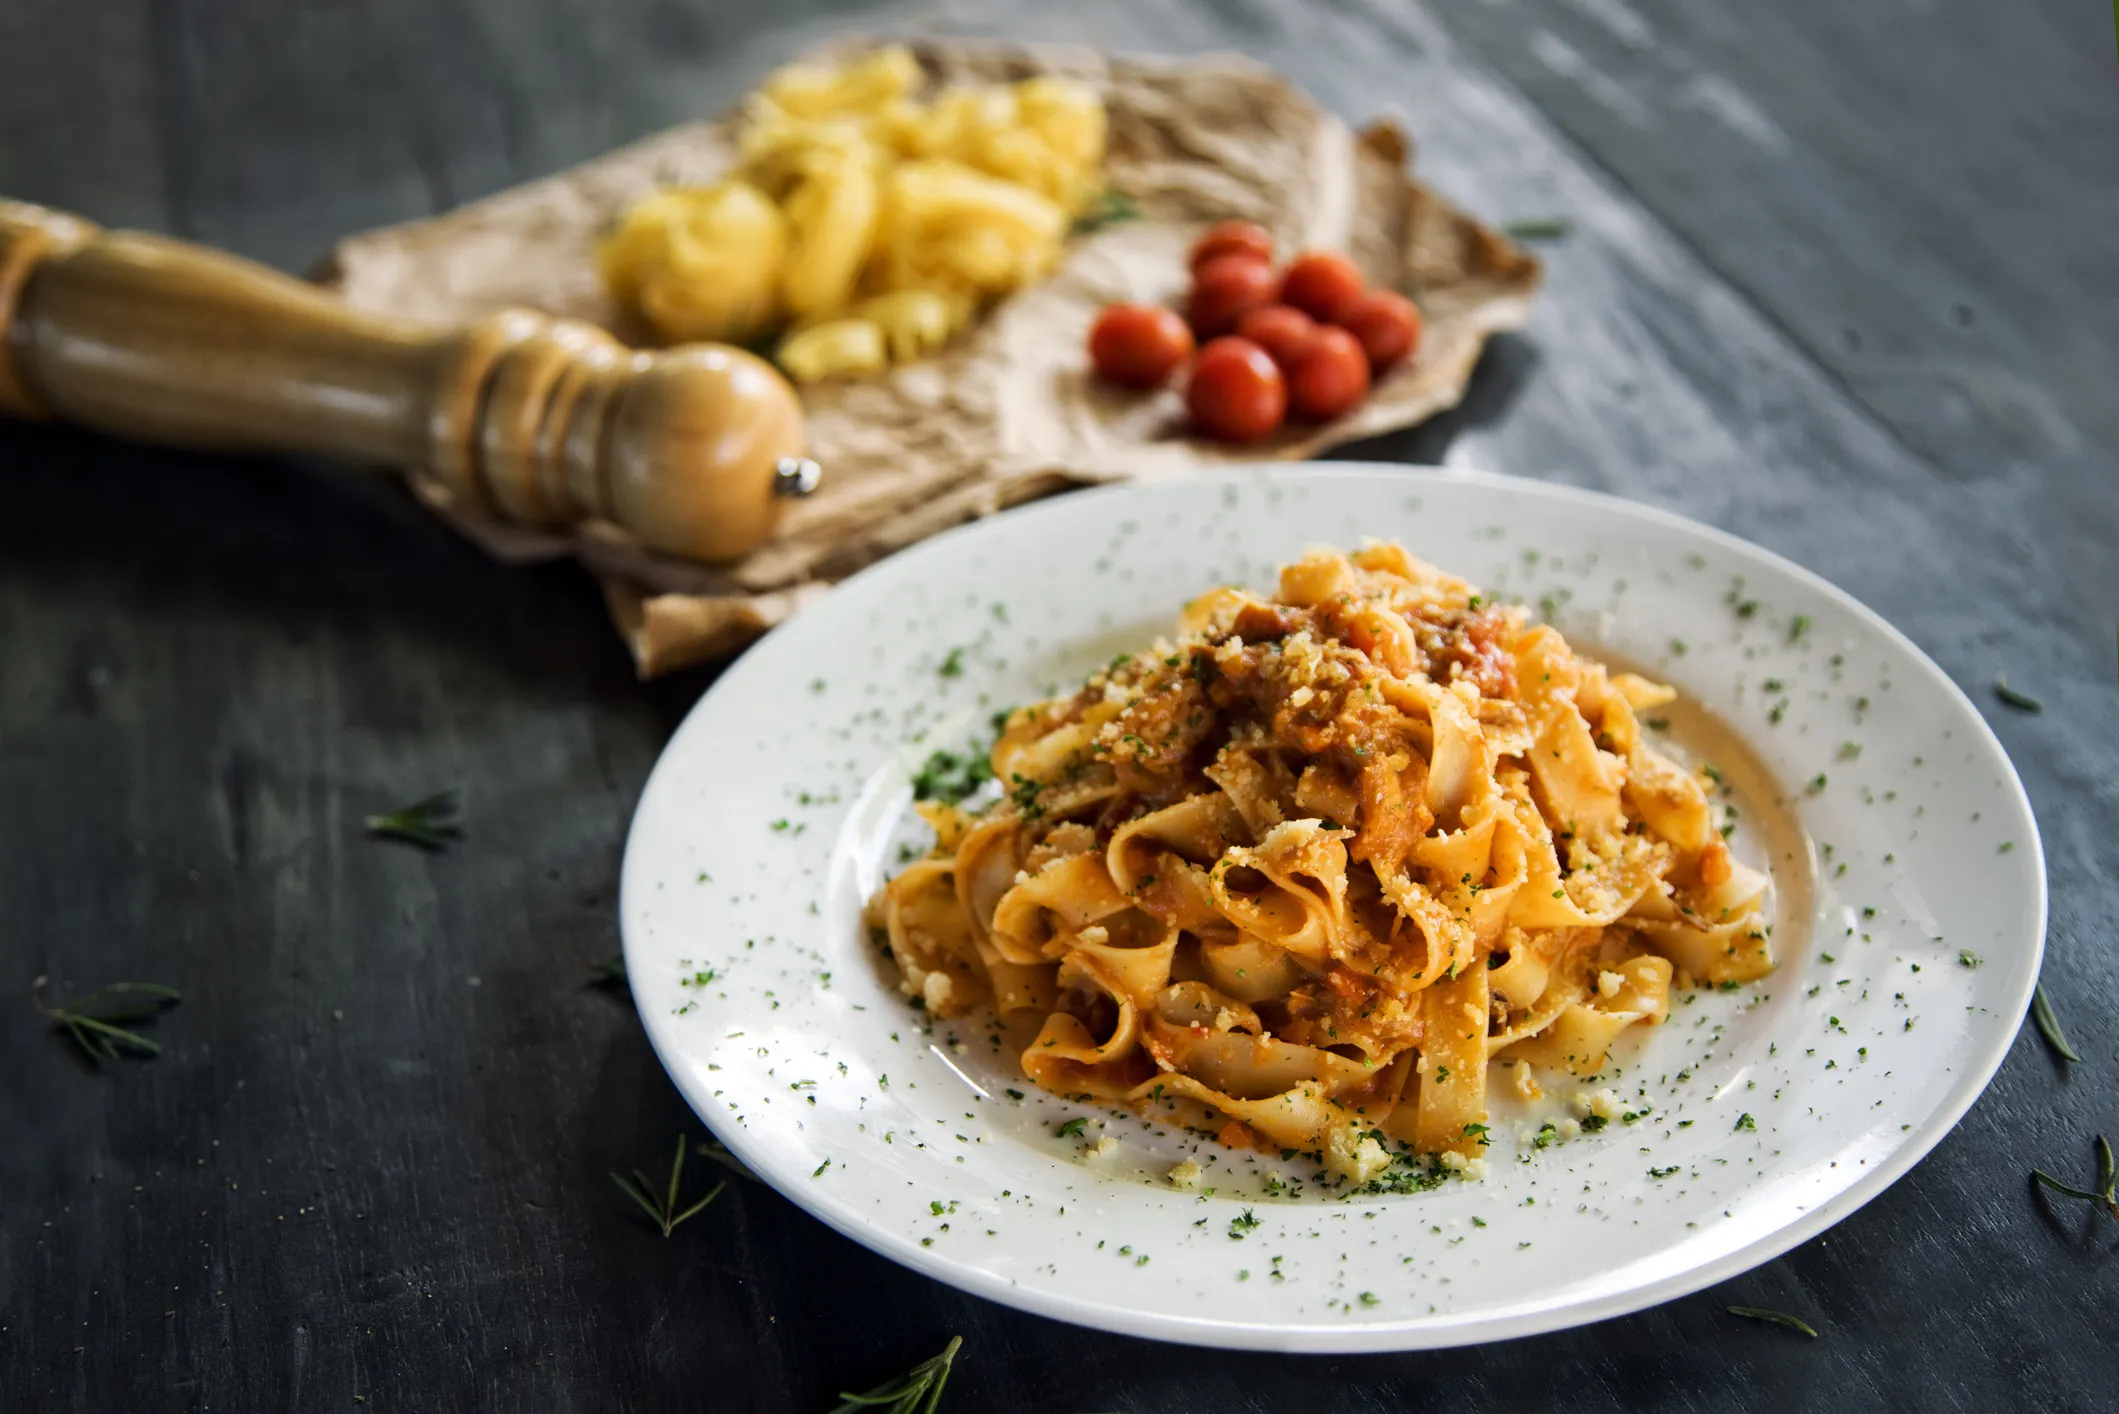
x,y
1841,280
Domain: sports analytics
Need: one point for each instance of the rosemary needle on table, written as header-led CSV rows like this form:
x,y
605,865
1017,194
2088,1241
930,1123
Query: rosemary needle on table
x,y
1108,209
1539,228
717,1151
1776,1318
430,823
917,1391
2049,1026
2104,1195
663,1210
2021,701
98,1021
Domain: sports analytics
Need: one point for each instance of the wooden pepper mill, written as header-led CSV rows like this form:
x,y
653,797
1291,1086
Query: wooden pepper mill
x,y
523,416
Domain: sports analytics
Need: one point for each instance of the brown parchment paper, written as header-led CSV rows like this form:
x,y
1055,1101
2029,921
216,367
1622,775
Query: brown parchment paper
x,y
1007,412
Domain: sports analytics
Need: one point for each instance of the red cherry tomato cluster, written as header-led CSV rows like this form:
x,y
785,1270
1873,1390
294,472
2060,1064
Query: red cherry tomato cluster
x,y
1301,342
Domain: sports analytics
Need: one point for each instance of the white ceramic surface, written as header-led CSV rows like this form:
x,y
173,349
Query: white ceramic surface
x,y
1910,896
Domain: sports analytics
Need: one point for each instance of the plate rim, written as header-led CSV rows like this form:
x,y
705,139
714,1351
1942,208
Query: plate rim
x,y
1417,1333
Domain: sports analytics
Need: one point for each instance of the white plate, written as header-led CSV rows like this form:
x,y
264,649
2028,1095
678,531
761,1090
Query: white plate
x,y
783,799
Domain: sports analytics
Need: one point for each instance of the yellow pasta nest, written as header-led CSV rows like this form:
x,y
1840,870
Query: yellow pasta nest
x,y
700,262
870,223
1302,876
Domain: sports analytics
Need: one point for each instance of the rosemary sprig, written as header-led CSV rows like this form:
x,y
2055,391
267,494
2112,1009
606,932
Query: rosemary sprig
x,y
1108,209
430,823
2104,1196
2049,1026
2021,701
98,1021
714,1149
1775,1318
664,1210
1539,228
917,1391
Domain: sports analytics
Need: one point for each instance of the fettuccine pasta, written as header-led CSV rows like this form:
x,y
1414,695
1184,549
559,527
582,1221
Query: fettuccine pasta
x,y
1308,873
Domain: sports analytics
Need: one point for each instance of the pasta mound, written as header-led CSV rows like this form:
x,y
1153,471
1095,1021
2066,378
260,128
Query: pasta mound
x,y
1303,876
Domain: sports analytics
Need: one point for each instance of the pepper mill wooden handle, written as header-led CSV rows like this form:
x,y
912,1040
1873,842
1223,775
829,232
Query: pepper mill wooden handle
x,y
533,419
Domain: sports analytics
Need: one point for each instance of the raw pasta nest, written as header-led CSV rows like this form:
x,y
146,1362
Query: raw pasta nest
x,y
1303,876
864,224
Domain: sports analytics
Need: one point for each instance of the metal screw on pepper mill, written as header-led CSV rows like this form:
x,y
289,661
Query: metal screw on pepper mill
x,y
796,477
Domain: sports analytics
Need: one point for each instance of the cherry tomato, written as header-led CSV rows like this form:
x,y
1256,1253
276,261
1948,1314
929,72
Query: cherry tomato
x,y
1332,378
1388,326
1322,284
1139,345
1281,330
1232,238
1236,393
1225,289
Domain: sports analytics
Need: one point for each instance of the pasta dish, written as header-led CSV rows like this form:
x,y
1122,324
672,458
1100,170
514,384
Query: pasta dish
x,y
1328,868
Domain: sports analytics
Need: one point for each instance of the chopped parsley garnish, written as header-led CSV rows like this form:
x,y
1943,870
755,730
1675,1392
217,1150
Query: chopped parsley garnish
x,y
1746,1122
1024,793
950,777
1073,1127
1406,1174
952,664
1239,1226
